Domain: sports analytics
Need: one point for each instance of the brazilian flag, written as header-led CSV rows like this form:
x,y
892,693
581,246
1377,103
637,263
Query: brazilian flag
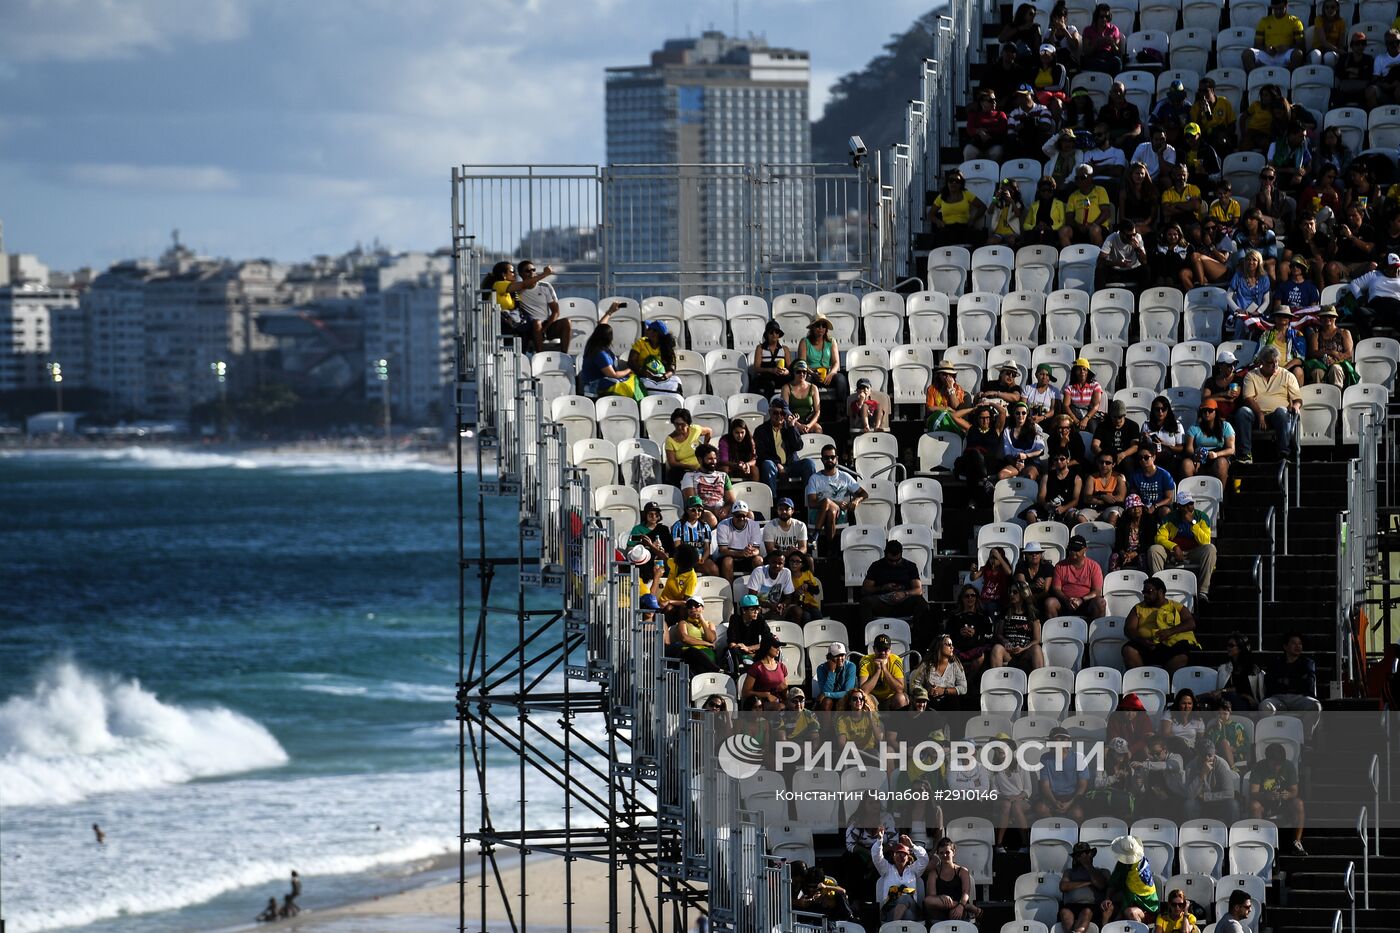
x,y
1137,885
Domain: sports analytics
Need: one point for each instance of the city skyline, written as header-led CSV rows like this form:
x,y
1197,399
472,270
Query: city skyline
x,y
287,136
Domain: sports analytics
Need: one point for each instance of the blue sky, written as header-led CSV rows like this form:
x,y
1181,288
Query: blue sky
x,y
285,129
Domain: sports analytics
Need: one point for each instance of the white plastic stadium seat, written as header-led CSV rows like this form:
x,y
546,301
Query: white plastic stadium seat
x,y
1011,497
1003,690
842,309
1191,46
1066,313
882,319
577,414
1077,266
1252,847
1361,400
705,323
1050,842
1201,849
1021,313
1037,897
861,546
911,372
1106,641
948,267
1149,684
921,503
928,314
794,312
1253,884
1377,359
1383,125
1159,839
1048,690
1322,405
1351,121
1062,640
1035,268
992,269
974,837
1111,315
977,319
1097,689
1191,363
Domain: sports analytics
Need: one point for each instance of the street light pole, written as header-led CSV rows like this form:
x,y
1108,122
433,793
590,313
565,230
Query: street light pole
x,y
56,373
220,370
381,370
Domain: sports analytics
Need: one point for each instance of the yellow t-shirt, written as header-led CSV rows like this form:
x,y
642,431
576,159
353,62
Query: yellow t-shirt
x,y
1225,210
882,691
503,297
1276,31
1086,208
955,212
1185,922
1222,114
800,582
684,450
1152,621
678,585
1172,196
644,351
1259,118
1334,29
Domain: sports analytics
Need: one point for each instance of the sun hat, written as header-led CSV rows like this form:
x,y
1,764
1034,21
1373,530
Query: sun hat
x,y
639,554
1086,170
946,367
1328,311
918,693
1009,366
1134,501
1032,547
1081,847
820,319
1127,850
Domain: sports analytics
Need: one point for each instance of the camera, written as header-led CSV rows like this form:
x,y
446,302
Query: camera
x,y
857,147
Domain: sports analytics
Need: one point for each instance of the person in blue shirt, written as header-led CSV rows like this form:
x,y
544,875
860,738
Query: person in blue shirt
x,y
1298,291
835,679
1154,485
1063,782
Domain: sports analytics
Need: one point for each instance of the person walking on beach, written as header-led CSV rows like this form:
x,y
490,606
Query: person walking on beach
x,y
296,885
289,908
101,836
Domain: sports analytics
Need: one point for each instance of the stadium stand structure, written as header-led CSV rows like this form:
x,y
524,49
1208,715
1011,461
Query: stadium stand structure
x,y
573,685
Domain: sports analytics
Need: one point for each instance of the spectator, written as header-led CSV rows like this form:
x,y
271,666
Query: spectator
x,y
1254,235
1201,162
981,457
971,631
1044,217
1065,439
956,210
823,358
1241,905
1003,390
1329,35
1140,201
1041,396
737,455
1236,675
1006,215
695,639
1170,261
942,677
1212,248
740,541
1123,258
1330,352
601,373
1178,917
1050,81
1112,790
1278,39
1023,28
1065,36
1289,159
986,128
1271,399
804,580
1291,681
1103,43
832,495
893,588
1153,484
1014,787
881,675
1164,436
1064,780
1210,443
784,533
1087,210
651,533
1078,584
1273,793
835,679
1133,535
1083,888
799,725
1286,338
1222,386
947,402
1181,201
1084,401
995,577
1156,156
1132,890
769,368
1065,156
1059,493
1210,790
772,584
1038,572
1132,725
867,825
710,483
655,343
804,399
865,413
817,893
538,305
1262,120
693,531
1018,633
862,728
1215,115
1162,780
1380,294
1023,444
1161,632
1385,74
1104,492
1224,209
1227,737
746,633
766,678
1172,112
681,582
1117,436
778,447
897,890
949,887
1104,157
1353,72
1182,725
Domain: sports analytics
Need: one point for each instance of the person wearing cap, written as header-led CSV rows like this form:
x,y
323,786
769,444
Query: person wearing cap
x,y
1064,780
881,675
896,892
1029,122
1157,153
694,639
1171,112
1330,356
778,446
1087,210
1272,399
1210,443
1083,397
737,455
1199,158
682,446
784,533
819,351
740,542
1123,258
1042,398
832,496
766,678
1050,81
693,530
1379,291
1083,888
956,211
1037,571
656,342
799,724
804,399
772,584
1161,632
746,632
865,412
651,533
1278,40
1132,888
769,368
1065,156
947,402
1104,491
834,679
1117,436
1211,788
1223,384
1078,582
713,486
892,588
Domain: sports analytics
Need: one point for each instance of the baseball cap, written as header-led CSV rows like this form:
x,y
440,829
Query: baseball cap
x,y
881,642
1185,498
1046,368
692,601
658,326
1192,129
650,602
1081,361
1077,543
749,601
1392,260
694,501
785,501
1209,405
1225,356
651,507
740,506
1059,732
796,693
1086,169
1047,49
918,693
862,383
1117,408
800,365
835,648
777,404
1116,744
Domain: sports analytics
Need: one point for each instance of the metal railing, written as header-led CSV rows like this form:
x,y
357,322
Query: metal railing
x,y
1374,773
1349,886
1361,824
1258,573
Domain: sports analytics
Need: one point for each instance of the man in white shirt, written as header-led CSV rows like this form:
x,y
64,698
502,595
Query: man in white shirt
x,y
1379,290
539,305
1156,153
772,584
1107,159
1383,89
897,891
1123,257
740,542
785,533
1241,905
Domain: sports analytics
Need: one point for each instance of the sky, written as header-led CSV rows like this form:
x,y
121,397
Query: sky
x,y
286,128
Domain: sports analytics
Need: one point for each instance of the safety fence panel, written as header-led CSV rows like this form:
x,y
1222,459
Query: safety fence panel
x,y
529,421
699,837
720,803
753,906
552,460
814,228
650,697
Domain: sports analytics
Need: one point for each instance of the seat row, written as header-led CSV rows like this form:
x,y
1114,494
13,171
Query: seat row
x,y
1205,14
1038,896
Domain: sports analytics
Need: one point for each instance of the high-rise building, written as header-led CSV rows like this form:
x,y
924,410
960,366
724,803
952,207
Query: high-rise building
x,y
689,137
408,322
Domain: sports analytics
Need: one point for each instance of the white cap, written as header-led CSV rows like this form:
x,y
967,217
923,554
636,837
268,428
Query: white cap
x,y
1185,498
1392,260
835,648
1225,356
740,506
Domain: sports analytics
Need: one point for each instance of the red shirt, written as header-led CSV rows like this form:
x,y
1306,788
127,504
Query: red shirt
x,y
993,124
1079,581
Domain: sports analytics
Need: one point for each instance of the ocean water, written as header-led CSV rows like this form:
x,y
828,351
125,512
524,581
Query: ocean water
x,y
237,666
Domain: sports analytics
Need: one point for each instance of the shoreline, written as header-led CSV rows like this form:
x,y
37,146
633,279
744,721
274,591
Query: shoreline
x,y
438,454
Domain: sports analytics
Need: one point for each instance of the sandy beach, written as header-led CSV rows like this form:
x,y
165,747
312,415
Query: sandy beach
x,y
433,908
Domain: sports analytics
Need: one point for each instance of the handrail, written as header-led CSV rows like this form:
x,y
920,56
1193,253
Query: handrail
x,y
1361,823
1287,507
1269,523
1259,585
1375,775
901,473
1349,885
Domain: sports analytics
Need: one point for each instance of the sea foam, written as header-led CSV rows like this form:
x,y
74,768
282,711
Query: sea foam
x,y
77,733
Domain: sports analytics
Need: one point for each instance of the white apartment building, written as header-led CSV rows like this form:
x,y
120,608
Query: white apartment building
x,y
407,308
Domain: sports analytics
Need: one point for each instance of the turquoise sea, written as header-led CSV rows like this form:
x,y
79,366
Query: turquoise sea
x,y
237,665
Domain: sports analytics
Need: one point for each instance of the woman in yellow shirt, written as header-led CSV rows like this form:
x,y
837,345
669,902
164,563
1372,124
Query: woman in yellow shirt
x,y
805,584
955,211
685,436
1264,119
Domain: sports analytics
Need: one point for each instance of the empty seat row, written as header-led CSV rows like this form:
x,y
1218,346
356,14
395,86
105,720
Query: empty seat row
x,y
1196,847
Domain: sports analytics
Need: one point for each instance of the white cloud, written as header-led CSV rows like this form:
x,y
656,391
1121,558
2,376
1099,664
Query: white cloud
x,y
83,30
158,178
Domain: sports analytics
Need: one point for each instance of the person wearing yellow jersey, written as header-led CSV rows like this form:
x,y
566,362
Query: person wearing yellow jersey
x,y
1161,632
1278,39
681,581
1045,216
1225,210
1177,918
955,211
1181,201
1087,210
1215,115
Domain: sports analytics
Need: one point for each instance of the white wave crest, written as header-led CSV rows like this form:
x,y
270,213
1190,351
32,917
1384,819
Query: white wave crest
x,y
77,734
342,686
308,463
